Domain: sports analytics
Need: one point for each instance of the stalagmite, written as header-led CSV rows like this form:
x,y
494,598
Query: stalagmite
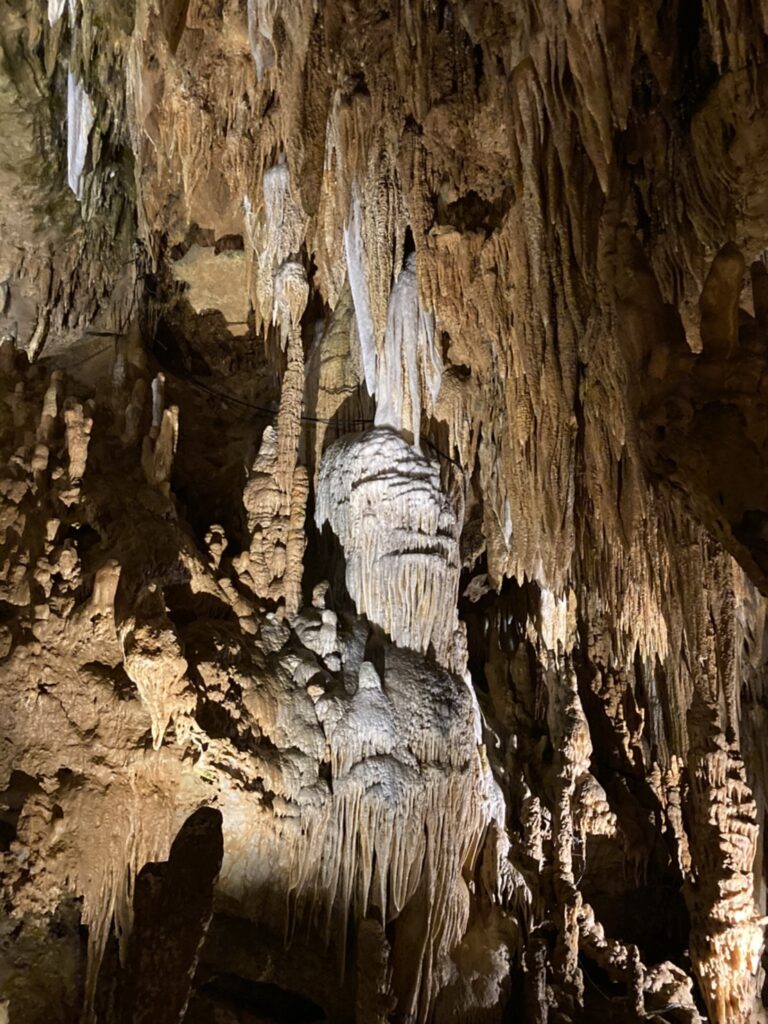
x,y
158,404
165,449
726,931
174,898
78,425
276,493
50,409
7,356
159,445
105,586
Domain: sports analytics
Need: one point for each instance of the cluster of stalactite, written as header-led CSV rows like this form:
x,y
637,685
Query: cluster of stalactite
x,y
382,431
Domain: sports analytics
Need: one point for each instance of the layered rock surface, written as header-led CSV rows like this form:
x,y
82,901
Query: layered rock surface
x,y
382,501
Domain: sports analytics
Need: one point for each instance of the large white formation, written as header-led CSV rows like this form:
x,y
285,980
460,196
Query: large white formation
x,y
80,118
407,812
400,535
409,365
405,370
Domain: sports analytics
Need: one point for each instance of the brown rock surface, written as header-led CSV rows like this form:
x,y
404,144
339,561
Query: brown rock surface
x,y
383,503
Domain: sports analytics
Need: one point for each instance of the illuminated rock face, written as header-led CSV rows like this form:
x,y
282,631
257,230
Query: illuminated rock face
x,y
400,535
383,497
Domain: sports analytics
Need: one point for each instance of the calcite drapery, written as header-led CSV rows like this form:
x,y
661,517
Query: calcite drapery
x,y
399,531
409,365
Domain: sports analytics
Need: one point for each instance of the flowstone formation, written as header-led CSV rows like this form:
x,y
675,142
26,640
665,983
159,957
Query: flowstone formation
x,y
383,558
400,536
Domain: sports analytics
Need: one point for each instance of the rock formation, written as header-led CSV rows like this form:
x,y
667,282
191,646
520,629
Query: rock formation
x,y
383,551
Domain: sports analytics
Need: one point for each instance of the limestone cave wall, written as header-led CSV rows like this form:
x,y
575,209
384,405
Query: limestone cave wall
x,y
383,511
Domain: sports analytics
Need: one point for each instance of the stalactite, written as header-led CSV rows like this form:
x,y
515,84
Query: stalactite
x,y
334,377
153,660
55,10
358,276
80,120
408,365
